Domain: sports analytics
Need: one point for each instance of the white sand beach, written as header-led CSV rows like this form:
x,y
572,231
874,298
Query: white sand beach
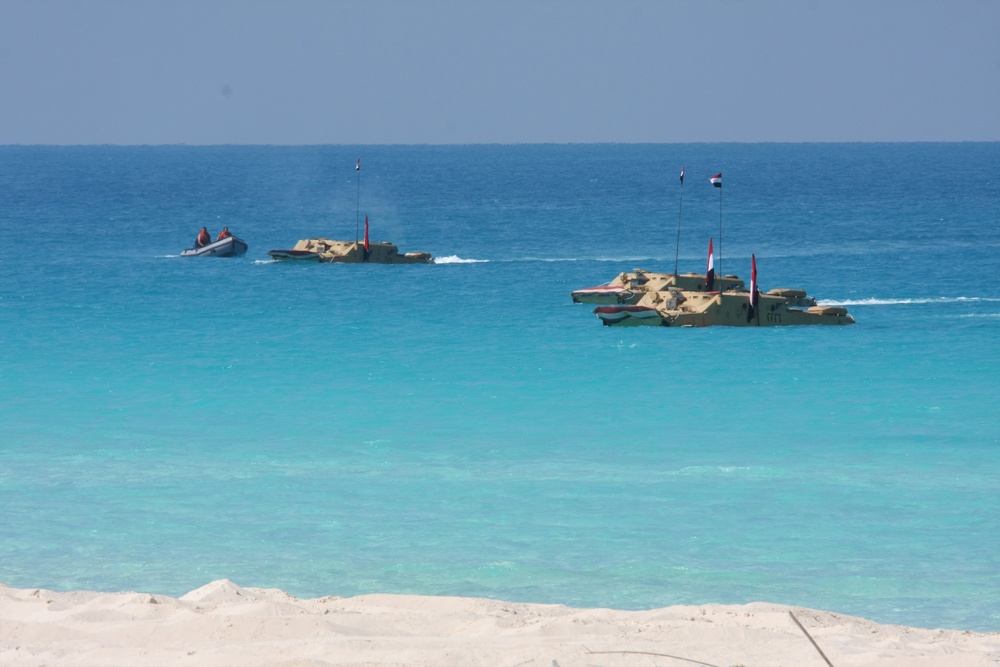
x,y
225,624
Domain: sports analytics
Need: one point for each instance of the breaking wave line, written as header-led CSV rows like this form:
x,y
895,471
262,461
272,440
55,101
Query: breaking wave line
x,y
898,302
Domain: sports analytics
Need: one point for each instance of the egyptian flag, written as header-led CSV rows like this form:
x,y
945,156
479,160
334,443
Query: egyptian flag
x,y
752,310
710,273
357,167
682,175
716,180
366,232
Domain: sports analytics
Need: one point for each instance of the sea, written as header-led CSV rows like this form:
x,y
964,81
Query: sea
x,y
463,428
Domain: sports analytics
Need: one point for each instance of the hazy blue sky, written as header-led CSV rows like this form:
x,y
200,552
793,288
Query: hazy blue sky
x,y
504,71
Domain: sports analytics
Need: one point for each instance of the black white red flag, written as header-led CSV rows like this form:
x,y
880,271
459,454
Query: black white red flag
x,y
357,167
682,175
752,309
716,180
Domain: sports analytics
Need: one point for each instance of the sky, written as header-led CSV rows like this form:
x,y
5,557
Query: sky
x,y
294,72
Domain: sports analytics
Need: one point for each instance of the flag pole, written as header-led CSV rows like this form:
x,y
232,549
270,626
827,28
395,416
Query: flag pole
x,y
721,272
717,182
357,215
680,209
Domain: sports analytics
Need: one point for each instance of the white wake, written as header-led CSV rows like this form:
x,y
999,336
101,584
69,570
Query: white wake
x,y
455,259
897,302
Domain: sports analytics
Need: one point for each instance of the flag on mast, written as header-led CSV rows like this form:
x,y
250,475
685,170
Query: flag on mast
x,y
366,232
716,180
357,167
710,273
752,309
682,175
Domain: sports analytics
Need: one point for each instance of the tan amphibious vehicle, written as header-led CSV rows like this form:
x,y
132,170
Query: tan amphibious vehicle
x,y
645,298
349,252
629,287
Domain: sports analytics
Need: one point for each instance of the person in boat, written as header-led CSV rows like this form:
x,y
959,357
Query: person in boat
x,y
224,234
204,238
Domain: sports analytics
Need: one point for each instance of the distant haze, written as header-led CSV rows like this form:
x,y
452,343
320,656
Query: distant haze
x,y
512,71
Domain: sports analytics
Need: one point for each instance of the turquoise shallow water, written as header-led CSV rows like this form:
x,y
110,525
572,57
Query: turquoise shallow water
x,y
463,428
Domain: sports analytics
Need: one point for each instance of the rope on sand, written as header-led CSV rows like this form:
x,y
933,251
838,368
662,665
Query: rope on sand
x,y
705,664
809,636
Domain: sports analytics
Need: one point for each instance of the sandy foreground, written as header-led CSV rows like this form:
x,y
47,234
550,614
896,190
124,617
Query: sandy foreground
x,y
225,624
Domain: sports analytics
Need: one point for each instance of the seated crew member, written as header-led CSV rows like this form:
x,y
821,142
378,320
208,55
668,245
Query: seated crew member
x,y
224,234
204,238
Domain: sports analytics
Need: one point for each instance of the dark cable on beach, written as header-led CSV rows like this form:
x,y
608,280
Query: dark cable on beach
x,y
806,632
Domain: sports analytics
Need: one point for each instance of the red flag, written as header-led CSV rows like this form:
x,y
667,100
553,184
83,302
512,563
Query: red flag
x,y
682,175
366,232
710,273
716,180
357,167
752,309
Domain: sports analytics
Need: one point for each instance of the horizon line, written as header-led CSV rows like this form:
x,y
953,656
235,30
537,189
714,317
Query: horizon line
x,y
494,143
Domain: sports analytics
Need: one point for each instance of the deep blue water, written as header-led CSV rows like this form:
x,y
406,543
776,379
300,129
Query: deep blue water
x,y
463,428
